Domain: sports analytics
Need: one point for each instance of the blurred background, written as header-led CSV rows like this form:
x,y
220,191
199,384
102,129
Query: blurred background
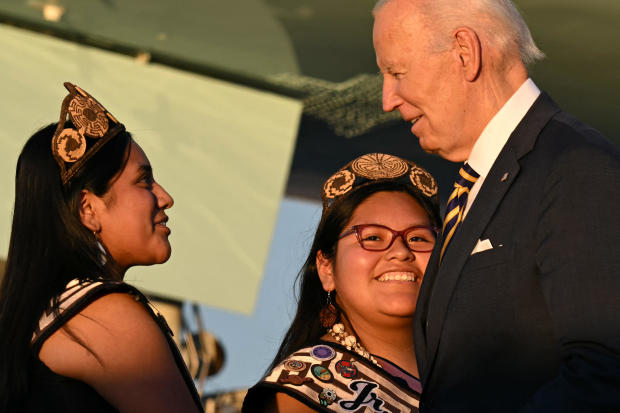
x,y
244,108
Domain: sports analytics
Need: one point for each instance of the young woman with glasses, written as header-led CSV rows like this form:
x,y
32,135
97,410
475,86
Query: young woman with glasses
x,y
350,344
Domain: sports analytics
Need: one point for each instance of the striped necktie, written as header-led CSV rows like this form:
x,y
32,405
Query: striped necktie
x,y
457,203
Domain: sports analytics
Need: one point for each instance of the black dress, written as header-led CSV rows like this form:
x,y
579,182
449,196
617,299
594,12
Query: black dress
x,y
51,392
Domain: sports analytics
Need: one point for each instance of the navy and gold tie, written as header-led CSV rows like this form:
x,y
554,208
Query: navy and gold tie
x,y
457,203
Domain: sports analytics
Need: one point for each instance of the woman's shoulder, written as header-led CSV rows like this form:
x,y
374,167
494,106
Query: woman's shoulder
x,y
116,344
77,295
111,331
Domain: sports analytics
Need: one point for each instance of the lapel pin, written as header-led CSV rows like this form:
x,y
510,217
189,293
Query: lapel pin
x,y
504,177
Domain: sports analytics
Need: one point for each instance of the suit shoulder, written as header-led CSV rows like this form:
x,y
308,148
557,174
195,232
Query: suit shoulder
x,y
567,140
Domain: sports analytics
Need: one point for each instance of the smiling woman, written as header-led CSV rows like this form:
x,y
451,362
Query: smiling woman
x,y
351,342
129,218
75,337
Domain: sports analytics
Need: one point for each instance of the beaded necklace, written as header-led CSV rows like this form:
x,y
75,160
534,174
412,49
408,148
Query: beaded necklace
x,y
350,342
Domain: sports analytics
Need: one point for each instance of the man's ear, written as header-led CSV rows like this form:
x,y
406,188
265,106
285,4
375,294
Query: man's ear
x,y
325,269
467,49
89,203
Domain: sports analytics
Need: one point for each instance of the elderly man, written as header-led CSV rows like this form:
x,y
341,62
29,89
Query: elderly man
x,y
520,306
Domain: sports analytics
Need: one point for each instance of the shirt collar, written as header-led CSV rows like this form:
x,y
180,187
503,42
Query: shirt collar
x,y
498,130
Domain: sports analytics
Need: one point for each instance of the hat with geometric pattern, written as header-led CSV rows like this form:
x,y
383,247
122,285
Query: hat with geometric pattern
x,y
91,127
381,167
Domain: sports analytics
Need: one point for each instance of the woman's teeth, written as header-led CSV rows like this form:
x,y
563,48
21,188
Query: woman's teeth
x,y
397,276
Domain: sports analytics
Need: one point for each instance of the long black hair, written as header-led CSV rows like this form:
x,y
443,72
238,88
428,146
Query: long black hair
x,y
306,327
49,246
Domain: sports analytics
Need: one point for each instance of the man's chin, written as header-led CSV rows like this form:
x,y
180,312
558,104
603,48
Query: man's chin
x,y
426,147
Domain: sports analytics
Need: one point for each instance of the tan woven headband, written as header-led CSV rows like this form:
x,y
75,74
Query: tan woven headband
x,y
93,126
377,167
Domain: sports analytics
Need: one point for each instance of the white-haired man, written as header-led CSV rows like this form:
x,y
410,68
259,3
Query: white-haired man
x,y
519,307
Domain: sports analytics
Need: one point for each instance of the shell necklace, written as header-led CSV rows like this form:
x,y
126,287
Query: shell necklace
x,y
350,342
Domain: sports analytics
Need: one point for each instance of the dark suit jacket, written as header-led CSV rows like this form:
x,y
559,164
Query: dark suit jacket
x,y
533,324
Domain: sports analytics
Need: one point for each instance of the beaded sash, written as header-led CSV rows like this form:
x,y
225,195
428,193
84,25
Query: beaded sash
x,y
329,378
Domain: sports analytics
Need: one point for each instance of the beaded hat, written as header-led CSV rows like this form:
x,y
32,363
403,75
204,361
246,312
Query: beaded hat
x,y
379,167
91,126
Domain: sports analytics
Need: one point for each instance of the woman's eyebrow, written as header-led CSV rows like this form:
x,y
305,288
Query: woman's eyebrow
x,y
145,168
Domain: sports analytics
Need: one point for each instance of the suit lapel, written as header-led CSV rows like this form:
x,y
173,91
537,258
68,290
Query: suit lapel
x,y
422,305
441,280
463,243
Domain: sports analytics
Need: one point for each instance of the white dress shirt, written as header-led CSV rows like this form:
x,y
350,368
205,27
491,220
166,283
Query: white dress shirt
x,y
496,134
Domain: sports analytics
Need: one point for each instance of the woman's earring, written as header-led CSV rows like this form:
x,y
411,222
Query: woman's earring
x,y
329,313
103,255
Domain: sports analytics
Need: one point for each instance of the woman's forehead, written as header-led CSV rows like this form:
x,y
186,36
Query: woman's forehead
x,y
389,208
137,158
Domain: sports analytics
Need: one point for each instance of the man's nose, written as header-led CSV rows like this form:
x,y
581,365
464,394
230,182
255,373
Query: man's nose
x,y
391,99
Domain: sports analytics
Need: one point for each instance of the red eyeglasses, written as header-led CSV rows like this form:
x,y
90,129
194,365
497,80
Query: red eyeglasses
x,y
375,237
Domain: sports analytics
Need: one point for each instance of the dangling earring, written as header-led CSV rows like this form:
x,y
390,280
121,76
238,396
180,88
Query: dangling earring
x,y
329,313
103,255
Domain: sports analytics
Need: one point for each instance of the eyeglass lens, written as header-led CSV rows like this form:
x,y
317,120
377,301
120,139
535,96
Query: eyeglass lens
x,y
378,238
